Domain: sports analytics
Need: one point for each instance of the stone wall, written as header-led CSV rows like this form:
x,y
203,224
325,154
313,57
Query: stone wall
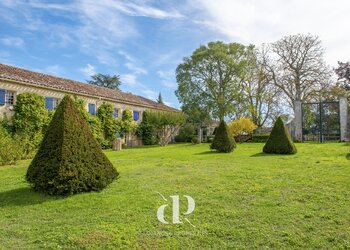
x,y
18,88
27,88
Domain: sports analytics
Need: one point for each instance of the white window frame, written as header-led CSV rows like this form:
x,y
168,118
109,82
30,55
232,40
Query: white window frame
x,y
10,97
55,102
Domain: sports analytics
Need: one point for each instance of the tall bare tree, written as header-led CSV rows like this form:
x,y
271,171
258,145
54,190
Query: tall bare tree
x,y
260,94
296,66
343,72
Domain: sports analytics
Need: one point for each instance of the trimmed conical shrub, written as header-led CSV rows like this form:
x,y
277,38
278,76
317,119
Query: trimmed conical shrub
x,y
69,159
223,140
279,141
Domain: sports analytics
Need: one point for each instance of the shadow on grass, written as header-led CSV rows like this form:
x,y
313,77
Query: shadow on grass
x,y
22,197
348,156
208,152
261,154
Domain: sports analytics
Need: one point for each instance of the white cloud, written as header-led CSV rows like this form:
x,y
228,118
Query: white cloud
x,y
56,70
12,41
150,94
136,9
131,64
168,103
89,70
129,80
167,78
135,69
253,21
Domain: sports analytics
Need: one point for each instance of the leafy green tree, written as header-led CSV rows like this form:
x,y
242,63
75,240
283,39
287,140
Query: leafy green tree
x,y
69,159
106,81
109,126
196,113
211,77
160,98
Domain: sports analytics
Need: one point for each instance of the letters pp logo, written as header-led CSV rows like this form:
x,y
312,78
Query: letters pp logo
x,y
176,209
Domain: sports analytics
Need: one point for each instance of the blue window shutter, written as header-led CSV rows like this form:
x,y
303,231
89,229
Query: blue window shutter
x,y
49,103
115,114
92,109
136,115
2,96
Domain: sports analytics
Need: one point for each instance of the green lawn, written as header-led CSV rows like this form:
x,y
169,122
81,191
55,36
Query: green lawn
x,y
243,200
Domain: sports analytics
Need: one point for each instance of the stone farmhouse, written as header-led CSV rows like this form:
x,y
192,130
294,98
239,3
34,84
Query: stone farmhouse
x,y
14,80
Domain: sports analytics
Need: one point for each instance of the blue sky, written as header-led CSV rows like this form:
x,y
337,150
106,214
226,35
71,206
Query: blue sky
x,y
143,40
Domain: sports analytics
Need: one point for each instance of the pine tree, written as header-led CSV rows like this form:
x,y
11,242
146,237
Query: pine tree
x,y
160,98
223,140
279,141
69,159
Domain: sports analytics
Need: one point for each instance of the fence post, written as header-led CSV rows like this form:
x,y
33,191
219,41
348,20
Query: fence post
x,y
343,115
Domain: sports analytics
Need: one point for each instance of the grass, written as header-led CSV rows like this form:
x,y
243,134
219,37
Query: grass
x,y
245,199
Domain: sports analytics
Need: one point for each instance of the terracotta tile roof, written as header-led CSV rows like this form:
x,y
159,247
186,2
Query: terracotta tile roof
x,y
44,80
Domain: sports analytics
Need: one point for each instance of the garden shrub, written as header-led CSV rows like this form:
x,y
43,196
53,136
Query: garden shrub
x,y
70,159
126,124
195,140
94,123
30,115
10,151
260,137
146,131
186,133
242,126
108,122
166,124
210,138
241,129
223,140
279,141
30,121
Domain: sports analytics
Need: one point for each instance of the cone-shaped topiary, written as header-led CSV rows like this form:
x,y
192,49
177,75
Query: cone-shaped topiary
x,y
69,159
223,140
279,141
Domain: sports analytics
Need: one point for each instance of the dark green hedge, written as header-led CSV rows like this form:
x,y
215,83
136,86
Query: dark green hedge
x,y
186,133
70,159
279,141
223,140
260,138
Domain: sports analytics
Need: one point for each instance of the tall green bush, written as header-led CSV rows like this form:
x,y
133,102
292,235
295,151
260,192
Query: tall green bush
x,y
69,159
29,122
146,131
105,114
223,141
30,115
279,141
126,124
